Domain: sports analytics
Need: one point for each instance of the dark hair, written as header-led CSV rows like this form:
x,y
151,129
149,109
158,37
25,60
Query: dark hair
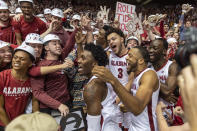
x,y
114,30
107,27
24,2
144,52
98,53
164,42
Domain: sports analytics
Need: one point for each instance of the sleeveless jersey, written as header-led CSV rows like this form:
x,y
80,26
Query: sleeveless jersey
x,y
118,67
163,75
110,111
146,121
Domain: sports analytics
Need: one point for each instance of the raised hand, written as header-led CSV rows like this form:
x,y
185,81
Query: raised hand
x,y
86,23
17,17
80,37
53,25
103,14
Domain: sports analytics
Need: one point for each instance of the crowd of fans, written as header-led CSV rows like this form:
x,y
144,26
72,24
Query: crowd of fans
x,y
56,56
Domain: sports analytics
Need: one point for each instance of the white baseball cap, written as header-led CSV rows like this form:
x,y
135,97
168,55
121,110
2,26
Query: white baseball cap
x,y
47,11
18,10
57,12
3,44
171,40
50,37
31,1
27,49
3,5
95,33
133,38
76,17
40,15
33,38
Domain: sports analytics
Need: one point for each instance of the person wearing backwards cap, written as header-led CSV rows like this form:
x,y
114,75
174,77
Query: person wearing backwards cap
x,y
28,23
15,87
45,88
6,29
5,55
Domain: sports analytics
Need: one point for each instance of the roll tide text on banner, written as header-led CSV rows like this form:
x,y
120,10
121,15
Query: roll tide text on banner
x,y
122,11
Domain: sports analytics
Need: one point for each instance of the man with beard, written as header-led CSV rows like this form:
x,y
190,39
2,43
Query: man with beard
x,y
142,99
97,94
6,29
167,72
28,23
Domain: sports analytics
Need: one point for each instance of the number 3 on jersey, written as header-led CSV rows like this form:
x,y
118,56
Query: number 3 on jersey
x,y
120,70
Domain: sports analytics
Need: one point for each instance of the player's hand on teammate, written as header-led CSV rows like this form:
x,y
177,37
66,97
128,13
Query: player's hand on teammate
x,y
103,73
64,110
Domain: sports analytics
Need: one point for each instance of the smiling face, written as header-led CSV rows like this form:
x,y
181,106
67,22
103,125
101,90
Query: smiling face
x,y
131,43
21,61
156,50
4,15
58,22
86,63
54,48
6,54
27,9
37,48
116,43
132,60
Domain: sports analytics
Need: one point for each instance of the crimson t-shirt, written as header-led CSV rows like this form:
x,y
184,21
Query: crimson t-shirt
x,y
23,27
16,94
7,33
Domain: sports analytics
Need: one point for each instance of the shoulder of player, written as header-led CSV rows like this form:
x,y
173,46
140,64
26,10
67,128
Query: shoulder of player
x,y
173,69
95,86
149,75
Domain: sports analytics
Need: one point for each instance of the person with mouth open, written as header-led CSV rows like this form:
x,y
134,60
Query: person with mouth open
x,y
117,64
28,23
98,94
142,99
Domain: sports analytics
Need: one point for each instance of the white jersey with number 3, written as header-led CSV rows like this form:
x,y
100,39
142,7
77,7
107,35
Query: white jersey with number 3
x,y
118,67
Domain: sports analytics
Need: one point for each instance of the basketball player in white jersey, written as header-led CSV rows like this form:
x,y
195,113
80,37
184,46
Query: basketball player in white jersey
x,y
141,101
117,63
167,72
97,94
